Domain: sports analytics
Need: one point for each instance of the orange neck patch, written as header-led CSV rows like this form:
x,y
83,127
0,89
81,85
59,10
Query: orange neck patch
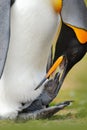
x,y
57,5
80,33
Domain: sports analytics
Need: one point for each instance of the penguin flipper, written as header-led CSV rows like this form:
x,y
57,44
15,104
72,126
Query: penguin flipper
x,y
40,108
4,31
45,112
49,92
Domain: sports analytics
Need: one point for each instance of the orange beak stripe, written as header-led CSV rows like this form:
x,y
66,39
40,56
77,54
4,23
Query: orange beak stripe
x,y
54,67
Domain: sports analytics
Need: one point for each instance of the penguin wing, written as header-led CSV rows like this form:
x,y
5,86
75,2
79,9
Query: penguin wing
x,y
4,31
74,12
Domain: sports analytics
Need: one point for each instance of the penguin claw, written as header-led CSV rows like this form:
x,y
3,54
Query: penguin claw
x,y
45,112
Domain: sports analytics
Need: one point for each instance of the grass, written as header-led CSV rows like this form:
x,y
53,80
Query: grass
x,y
74,116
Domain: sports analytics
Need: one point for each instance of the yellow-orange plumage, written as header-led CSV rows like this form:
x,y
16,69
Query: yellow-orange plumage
x,y
80,33
57,4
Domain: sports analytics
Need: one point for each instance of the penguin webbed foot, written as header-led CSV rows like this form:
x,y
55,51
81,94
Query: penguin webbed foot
x,y
43,100
40,108
44,113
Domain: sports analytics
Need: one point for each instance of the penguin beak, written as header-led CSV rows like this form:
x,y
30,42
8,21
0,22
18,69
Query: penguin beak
x,y
57,64
61,71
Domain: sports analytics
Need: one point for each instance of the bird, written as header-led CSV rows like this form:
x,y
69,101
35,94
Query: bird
x,y
69,48
27,30
71,43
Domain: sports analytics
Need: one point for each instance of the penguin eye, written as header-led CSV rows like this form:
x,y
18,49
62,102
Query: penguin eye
x,y
57,5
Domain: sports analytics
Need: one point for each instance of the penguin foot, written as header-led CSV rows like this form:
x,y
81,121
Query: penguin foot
x,y
39,108
49,92
43,113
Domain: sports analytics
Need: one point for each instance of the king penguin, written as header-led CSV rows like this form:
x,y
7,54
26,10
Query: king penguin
x,y
71,43
27,29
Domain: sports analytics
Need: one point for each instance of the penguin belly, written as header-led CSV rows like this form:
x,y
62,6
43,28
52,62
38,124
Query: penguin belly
x,y
33,26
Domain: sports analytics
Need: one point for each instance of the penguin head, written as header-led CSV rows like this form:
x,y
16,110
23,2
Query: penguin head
x,y
71,44
72,40
70,48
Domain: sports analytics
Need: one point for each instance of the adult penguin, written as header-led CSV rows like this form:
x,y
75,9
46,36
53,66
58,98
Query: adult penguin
x,y
27,29
71,43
